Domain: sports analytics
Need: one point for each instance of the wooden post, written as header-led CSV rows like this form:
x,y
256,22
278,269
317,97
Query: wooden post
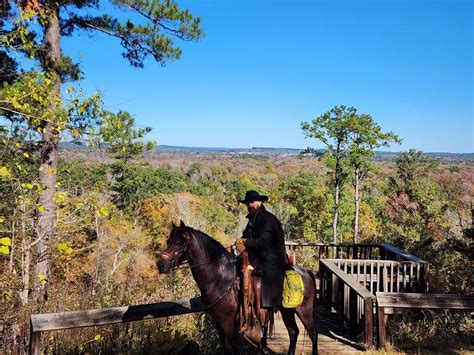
x,y
340,300
381,326
35,341
368,326
383,253
424,277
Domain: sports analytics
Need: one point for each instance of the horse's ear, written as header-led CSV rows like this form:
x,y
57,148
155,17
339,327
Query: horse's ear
x,y
182,225
173,226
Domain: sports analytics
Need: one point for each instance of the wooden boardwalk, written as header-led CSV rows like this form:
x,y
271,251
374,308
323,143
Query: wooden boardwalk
x,y
332,338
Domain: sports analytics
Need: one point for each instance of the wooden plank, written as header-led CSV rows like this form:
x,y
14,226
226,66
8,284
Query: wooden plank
x,y
370,274
392,279
93,317
424,300
347,279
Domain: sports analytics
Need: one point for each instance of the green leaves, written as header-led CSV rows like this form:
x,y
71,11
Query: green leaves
x,y
150,37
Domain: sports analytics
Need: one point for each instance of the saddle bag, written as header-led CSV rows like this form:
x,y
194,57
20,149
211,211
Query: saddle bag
x,y
293,289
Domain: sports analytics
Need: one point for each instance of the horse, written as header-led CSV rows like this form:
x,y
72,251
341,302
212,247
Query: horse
x,y
214,270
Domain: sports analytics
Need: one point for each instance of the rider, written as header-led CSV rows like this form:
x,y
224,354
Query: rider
x,y
263,238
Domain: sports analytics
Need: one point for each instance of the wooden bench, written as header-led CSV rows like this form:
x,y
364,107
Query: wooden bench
x,y
390,303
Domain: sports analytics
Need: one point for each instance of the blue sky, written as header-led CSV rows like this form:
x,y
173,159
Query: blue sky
x,y
263,67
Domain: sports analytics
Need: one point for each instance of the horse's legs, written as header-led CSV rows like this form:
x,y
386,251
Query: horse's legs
x,y
288,315
307,313
265,313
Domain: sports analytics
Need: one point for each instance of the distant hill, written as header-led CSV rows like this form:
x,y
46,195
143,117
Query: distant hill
x,y
254,150
379,155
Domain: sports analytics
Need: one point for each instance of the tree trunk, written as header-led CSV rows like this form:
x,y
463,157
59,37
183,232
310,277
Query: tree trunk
x,y
356,202
25,274
49,163
336,212
337,184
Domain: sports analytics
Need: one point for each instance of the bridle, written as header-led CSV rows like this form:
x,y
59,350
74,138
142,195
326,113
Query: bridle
x,y
174,257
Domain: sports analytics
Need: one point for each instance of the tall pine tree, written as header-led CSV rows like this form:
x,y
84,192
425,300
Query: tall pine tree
x,y
36,27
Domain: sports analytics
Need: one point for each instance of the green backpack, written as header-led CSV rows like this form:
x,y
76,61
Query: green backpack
x,y
293,289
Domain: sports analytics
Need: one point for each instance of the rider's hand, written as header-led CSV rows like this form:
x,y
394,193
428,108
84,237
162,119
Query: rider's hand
x,y
240,245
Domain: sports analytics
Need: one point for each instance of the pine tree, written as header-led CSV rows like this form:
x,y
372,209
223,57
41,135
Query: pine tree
x,y
36,28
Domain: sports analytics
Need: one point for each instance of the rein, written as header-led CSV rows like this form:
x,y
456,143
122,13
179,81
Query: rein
x,y
197,265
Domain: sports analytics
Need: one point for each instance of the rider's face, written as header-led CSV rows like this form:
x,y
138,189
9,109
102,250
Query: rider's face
x,y
253,205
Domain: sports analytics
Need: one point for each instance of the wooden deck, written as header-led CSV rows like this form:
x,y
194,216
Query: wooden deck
x,y
332,338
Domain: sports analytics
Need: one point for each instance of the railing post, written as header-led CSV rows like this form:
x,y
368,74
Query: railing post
x,y
340,300
35,341
424,277
369,324
381,327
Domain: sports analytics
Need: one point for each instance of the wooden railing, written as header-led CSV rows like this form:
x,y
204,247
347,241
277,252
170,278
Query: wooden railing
x,y
354,305
58,321
336,251
364,251
389,303
386,275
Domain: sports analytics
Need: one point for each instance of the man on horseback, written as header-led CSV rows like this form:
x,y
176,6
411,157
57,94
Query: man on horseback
x,y
263,239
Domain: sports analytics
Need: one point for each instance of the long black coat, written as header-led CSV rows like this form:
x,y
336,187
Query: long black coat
x,y
265,240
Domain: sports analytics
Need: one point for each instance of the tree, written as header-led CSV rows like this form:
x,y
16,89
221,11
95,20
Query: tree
x,y
35,28
415,203
121,137
365,136
332,128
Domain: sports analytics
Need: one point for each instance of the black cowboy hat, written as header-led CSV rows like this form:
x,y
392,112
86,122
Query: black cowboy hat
x,y
252,195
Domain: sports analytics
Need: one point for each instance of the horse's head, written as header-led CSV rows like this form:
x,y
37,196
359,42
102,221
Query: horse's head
x,y
175,253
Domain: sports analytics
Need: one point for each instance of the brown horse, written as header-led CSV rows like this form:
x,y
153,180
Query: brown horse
x,y
214,271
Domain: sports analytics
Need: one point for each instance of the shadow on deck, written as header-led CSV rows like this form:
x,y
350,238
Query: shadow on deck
x,y
332,337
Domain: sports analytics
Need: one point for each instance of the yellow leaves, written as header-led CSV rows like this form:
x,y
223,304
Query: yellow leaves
x,y
2,219
41,208
42,279
5,174
26,155
27,186
52,172
6,241
103,211
59,197
5,244
79,205
98,337
64,248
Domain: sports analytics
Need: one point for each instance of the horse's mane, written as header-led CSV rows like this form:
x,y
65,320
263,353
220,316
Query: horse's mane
x,y
212,247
